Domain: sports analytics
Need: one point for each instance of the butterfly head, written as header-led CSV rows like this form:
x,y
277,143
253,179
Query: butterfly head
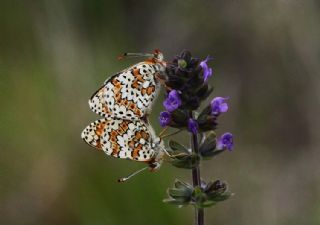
x,y
156,163
157,55
158,147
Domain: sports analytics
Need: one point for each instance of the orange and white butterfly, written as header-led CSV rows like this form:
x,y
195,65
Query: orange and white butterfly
x,y
124,101
134,140
129,94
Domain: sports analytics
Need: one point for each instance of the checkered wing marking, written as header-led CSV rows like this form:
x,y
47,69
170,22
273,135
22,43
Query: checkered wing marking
x,y
121,138
128,94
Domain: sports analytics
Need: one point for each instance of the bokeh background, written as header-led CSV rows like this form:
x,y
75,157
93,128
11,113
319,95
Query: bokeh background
x,y
55,54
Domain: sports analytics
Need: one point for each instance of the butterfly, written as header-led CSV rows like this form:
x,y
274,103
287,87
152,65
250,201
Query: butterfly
x,y
134,140
124,101
129,94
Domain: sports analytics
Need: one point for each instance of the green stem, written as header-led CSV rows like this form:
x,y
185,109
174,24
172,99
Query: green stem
x,y
199,213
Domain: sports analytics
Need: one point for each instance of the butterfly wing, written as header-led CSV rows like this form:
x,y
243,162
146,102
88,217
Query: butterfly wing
x,y
121,138
127,95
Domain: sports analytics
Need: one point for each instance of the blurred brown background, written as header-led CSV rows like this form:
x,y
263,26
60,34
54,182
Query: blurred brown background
x,y
55,54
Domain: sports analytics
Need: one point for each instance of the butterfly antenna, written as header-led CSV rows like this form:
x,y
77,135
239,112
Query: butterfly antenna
x,y
131,55
124,179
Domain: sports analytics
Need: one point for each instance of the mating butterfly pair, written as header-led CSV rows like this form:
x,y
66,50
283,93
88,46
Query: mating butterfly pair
x,y
124,101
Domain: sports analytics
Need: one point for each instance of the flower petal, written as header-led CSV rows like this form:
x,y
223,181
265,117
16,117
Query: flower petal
x,y
224,107
165,118
173,101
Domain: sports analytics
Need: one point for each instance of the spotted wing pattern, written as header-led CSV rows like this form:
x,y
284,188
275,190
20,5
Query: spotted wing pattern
x,y
128,94
121,138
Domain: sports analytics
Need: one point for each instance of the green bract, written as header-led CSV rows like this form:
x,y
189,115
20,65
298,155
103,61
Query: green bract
x,y
183,194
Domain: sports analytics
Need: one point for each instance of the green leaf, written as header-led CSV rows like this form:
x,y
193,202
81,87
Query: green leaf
x,y
208,138
180,184
208,146
185,161
220,197
208,142
207,93
206,204
204,91
210,186
182,192
179,118
209,155
182,63
207,123
205,112
175,146
175,202
181,199
197,191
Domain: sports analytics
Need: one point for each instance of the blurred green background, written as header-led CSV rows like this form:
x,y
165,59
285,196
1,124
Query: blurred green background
x,y
55,54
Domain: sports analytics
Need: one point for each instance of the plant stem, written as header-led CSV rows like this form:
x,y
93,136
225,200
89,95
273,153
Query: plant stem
x,y
199,213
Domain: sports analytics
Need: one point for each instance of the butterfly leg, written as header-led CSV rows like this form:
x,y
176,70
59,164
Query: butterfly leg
x,y
162,136
173,156
163,132
162,81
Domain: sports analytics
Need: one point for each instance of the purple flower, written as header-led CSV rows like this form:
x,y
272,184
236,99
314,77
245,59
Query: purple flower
x,y
164,118
218,105
225,142
193,126
173,101
207,72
